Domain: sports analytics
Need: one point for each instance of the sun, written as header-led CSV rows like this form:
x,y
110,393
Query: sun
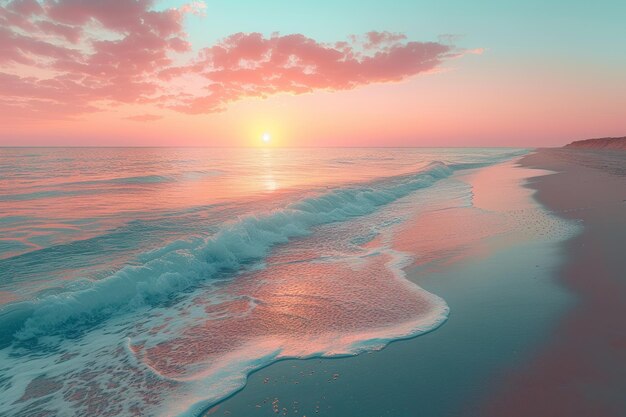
x,y
266,137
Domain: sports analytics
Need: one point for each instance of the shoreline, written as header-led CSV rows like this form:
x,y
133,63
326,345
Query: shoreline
x,y
488,296
581,370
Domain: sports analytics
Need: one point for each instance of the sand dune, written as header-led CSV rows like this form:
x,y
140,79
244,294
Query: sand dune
x,y
600,143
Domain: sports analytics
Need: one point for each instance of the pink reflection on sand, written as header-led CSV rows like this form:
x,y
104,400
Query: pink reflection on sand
x,y
296,310
447,236
497,188
502,211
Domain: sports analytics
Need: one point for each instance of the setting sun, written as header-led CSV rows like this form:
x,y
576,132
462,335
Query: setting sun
x,y
266,137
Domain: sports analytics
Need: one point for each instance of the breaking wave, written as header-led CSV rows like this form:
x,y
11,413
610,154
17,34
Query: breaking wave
x,y
182,265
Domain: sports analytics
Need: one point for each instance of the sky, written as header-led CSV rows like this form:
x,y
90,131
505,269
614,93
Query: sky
x,y
324,73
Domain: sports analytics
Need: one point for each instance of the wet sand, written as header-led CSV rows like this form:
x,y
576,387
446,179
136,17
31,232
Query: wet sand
x,y
505,304
581,369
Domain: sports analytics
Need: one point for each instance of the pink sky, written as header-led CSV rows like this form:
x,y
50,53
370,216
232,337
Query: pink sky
x,y
94,73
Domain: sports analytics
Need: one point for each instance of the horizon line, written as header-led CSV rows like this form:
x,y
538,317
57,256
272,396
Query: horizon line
x,y
265,147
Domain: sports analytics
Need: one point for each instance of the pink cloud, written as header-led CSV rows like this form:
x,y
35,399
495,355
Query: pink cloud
x,y
71,68
475,51
70,33
376,39
115,15
25,7
251,65
197,8
44,37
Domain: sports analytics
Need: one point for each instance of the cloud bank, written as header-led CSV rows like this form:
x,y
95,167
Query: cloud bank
x,y
61,58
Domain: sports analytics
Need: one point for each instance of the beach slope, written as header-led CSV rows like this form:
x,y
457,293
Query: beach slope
x,y
581,371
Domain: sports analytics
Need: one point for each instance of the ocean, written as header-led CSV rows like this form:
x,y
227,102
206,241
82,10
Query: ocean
x,y
153,281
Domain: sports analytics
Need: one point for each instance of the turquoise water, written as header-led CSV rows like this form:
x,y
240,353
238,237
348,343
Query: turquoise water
x,y
153,281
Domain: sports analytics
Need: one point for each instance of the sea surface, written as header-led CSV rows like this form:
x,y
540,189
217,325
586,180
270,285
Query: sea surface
x,y
153,281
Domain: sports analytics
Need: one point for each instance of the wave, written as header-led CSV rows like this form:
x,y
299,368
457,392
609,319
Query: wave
x,y
134,180
37,195
139,179
146,179
183,265
152,179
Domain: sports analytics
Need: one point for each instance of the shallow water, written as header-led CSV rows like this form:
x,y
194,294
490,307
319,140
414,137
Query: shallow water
x,y
153,281
493,259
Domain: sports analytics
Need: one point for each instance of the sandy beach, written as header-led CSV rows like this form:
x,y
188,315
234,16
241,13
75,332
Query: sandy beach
x,y
581,370
536,324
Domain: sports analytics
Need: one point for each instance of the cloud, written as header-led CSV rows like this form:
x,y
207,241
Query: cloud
x,y
197,8
78,56
475,51
251,65
377,39
82,55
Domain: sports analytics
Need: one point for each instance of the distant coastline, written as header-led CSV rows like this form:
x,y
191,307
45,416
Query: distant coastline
x,y
600,143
